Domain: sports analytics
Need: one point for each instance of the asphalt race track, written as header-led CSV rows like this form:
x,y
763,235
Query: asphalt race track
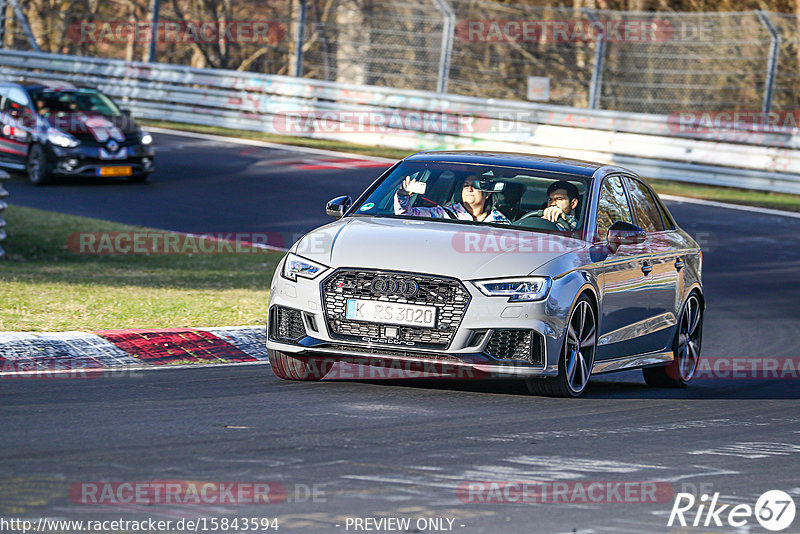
x,y
389,448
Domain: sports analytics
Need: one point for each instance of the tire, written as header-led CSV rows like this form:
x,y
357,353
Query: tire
x,y
36,166
138,178
288,367
685,348
577,355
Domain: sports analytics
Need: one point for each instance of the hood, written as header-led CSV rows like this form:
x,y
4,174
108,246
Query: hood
x,y
95,128
467,252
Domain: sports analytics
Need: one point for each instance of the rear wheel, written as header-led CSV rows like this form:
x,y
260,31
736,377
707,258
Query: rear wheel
x,y
291,368
38,174
686,349
577,355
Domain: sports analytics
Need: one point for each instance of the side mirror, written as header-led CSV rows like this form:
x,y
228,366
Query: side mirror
x,y
337,206
622,233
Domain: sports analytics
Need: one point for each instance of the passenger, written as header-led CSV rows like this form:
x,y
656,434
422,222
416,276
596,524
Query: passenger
x,y
41,107
473,205
562,199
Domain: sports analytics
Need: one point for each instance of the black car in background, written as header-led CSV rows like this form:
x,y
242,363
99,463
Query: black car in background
x,y
52,129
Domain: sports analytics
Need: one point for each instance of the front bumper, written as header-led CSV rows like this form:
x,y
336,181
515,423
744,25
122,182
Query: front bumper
x,y
87,161
472,350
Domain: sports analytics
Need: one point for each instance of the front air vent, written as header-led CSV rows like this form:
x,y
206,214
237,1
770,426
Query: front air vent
x,y
517,344
286,324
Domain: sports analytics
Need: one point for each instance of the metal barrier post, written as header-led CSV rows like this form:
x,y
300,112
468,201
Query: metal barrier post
x,y
23,20
3,6
3,194
299,38
772,63
448,29
596,84
154,9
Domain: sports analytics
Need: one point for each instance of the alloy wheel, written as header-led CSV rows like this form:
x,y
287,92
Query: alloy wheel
x,y
579,347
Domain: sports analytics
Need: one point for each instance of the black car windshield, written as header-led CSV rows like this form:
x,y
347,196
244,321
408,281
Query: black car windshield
x,y
60,102
480,194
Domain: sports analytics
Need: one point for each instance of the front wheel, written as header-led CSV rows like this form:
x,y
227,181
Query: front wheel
x,y
38,174
577,355
686,350
289,367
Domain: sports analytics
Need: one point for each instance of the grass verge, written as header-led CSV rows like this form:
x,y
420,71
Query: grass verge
x,y
48,287
748,197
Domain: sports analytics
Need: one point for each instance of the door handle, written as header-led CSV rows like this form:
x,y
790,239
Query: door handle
x,y
647,268
679,264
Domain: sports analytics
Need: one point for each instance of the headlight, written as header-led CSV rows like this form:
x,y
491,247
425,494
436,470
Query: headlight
x,y
62,139
517,289
295,266
146,138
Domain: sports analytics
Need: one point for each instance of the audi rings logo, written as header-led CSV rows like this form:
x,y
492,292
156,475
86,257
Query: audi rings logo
x,y
390,286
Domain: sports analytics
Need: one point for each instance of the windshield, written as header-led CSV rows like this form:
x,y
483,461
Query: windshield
x,y
59,102
480,194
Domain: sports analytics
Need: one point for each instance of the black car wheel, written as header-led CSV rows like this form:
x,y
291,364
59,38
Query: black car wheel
x,y
38,172
577,355
686,349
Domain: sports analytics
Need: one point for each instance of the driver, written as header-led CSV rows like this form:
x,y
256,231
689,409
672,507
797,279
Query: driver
x,y
562,199
473,205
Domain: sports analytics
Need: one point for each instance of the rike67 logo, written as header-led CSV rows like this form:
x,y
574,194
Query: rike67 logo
x,y
774,510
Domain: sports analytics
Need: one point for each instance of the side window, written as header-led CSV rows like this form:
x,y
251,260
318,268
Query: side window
x,y
665,215
612,206
648,217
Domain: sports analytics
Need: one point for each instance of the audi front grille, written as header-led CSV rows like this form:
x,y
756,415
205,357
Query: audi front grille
x,y
448,295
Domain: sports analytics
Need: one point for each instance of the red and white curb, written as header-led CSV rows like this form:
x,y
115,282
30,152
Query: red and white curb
x,y
53,353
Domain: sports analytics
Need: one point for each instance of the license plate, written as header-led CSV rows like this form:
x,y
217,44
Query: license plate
x,y
390,313
114,171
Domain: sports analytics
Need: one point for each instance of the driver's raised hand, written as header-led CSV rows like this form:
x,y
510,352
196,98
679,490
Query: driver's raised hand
x,y
552,214
405,185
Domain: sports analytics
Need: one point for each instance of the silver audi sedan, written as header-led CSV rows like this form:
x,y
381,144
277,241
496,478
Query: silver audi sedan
x,y
485,264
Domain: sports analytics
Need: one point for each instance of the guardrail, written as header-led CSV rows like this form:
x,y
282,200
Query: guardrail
x,y
658,146
3,195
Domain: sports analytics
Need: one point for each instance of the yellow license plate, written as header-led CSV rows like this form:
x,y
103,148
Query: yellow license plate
x,y
114,171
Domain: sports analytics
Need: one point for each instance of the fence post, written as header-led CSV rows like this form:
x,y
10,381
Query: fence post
x,y
3,6
3,194
23,20
155,7
299,37
772,63
596,84
448,30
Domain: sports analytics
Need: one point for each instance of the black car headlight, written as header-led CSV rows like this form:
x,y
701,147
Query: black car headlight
x,y
527,289
295,266
62,139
